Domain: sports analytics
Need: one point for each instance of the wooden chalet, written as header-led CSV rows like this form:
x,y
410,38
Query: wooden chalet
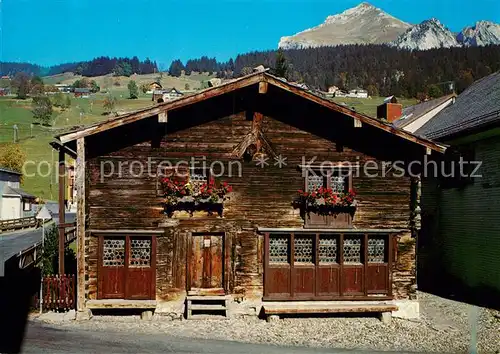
x,y
259,247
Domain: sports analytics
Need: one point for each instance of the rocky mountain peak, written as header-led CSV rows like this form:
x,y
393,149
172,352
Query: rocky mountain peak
x,y
363,24
482,33
426,35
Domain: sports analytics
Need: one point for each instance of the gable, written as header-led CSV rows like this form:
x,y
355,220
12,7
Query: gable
x,y
280,100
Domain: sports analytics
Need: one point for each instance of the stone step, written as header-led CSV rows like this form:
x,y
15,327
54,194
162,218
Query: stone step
x,y
208,297
207,307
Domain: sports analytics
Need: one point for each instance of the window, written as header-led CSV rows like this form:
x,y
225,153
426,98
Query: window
x,y
303,249
377,249
279,249
338,179
26,206
352,250
328,249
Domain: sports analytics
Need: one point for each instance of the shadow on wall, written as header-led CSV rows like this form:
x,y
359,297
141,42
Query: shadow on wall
x,y
433,278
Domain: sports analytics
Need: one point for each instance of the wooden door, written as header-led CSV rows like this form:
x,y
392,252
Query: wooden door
x,y
113,267
352,265
127,267
303,265
140,275
207,264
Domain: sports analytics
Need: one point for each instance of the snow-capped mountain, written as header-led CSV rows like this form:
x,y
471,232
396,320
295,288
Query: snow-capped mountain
x,y
483,33
426,35
362,24
366,24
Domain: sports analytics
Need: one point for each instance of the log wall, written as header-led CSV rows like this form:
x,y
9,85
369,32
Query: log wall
x,y
261,197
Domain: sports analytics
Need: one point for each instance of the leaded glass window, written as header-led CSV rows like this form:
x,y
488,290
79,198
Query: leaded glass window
x,y
303,249
327,249
113,252
376,250
279,249
314,182
337,184
140,252
352,250
198,177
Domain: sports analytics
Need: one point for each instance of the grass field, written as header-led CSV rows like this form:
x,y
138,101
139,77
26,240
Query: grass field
x,y
34,139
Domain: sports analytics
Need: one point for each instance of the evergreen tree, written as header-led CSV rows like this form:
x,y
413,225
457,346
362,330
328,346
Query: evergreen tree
x,y
133,89
281,67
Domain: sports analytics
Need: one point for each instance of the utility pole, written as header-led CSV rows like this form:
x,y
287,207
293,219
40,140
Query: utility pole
x,y
16,136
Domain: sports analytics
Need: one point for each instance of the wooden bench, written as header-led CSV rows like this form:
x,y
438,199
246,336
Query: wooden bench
x,y
147,306
272,310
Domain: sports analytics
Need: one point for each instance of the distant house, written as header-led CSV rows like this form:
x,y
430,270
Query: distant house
x,y
332,89
358,93
460,238
63,87
355,93
82,92
154,86
5,77
416,116
166,95
14,202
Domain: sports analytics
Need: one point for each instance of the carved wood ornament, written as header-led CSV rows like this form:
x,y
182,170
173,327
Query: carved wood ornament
x,y
254,144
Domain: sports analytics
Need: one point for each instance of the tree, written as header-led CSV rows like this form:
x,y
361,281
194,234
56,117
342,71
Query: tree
x,y
82,83
186,87
42,109
21,85
67,103
109,104
12,157
144,88
50,255
58,99
434,91
94,87
133,89
281,66
176,68
372,90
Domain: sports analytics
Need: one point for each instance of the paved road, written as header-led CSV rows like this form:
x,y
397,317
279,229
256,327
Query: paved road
x,y
14,242
45,339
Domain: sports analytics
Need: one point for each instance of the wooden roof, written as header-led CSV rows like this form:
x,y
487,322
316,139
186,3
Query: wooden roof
x,y
237,84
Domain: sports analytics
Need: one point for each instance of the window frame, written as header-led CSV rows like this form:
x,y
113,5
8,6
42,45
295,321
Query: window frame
x,y
327,179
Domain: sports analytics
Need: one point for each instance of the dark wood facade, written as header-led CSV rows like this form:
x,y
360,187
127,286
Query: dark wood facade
x,y
208,253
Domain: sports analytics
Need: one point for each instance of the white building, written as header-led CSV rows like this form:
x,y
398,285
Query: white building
x,y
14,202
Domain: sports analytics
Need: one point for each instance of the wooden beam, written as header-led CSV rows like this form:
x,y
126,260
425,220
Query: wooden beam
x,y
62,209
263,87
162,117
80,223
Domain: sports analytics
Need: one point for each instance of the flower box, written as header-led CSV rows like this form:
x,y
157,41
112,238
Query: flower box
x,y
323,208
188,197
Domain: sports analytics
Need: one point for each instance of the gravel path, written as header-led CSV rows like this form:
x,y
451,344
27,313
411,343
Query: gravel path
x,y
444,326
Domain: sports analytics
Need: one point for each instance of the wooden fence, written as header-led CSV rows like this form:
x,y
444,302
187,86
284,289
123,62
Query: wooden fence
x,y
58,293
14,224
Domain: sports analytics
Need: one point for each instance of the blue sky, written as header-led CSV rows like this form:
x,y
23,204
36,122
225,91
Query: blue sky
x,y
48,32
